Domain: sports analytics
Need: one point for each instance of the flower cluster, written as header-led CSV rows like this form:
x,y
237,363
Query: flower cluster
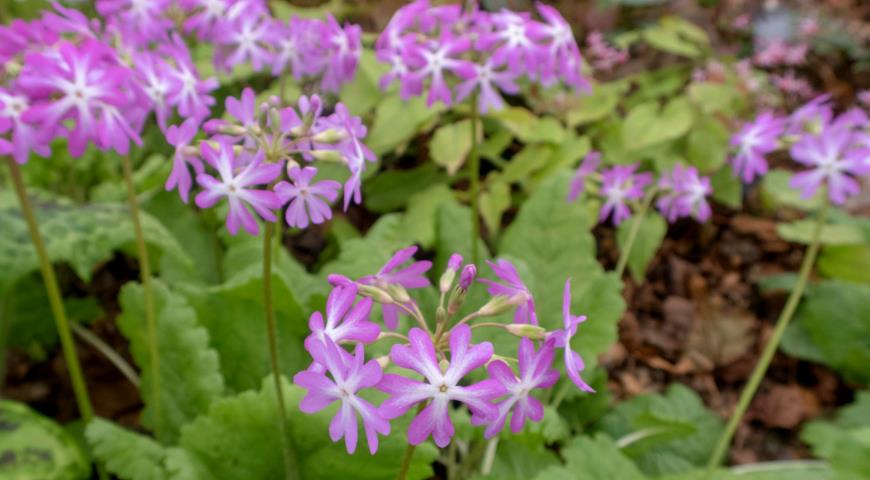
x,y
454,53
253,149
604,56
433,367
682,192
834,148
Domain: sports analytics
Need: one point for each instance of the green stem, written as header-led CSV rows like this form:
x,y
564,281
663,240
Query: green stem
x,y
489,456
632,234
772,345
406,462
291,470
147,293
54,299
474,179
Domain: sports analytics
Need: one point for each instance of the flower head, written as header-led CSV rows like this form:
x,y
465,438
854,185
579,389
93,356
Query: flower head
x,y
513,288
307,200
755,140
573,361
344,320
833,160
588,167
619,185
685,194
392,274
181,138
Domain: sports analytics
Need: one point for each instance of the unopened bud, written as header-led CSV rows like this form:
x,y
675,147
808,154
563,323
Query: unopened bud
x,y
398,292
275,118
375,294
328,136
327,155
230,129
449,275
467,277
457,298
532,332
496,305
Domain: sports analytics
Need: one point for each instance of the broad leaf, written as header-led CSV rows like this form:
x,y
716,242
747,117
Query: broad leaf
x,y
451,144
390,190
647,242
645,125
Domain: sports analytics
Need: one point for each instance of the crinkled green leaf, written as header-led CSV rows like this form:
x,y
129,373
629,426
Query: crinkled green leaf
x,y
600,103
845,441
551,236
127,454
420,217
516,459
33,447
707,145
679,432
365,256
647,242
846,262
392,189
453,235
727,188
190,376
598,458
81,235
451,144
494,201
646,125
802,231
527,161
397,121
530,128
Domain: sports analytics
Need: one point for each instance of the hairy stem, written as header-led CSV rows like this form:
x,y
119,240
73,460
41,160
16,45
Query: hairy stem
x,y
474,185
106,350
770,349
54,298
406,462
291,470
489,456
632,234
147,292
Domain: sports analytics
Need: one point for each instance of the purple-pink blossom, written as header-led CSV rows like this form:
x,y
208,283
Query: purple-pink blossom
x,y
441,387
348,375
755,140
393,274
573,361
578,181
181,137
344,320
684,194
305,199
619,185
514,289
833,160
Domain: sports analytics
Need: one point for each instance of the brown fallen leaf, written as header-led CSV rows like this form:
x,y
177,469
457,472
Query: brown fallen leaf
x,y
785,406
719,337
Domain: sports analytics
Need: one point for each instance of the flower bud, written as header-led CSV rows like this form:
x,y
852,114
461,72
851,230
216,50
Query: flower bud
x,y
496,305
327,155
443,365
532,332
329,136
457,298
375,294
398,293
467,277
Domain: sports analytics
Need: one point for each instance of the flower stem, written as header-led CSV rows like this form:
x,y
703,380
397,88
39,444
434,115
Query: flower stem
x,y
54,298
147,292
474,185
406,462
291,470
489,456
632,234
770,349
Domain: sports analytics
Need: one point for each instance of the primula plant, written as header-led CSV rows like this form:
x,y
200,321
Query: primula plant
x,y
249,239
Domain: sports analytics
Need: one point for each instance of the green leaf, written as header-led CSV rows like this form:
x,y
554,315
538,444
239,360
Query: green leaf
x,y
238,439
419,220
519,460
846,262
530,128
397,121
802,231
645,125
597,458
823,435
727,188
363,92
81,235
714,97
34,447
494,201
453,235
391,189
600,103
707,145
682,432
128,455
677,36
845,348
649,238
451,143
775,192
552,237
234,315
365,256
189,378
527,161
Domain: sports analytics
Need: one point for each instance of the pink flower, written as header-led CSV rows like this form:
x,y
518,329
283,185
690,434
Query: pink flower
x,y
560,55
181,138
619,184
578,181
350,374
139,21
536,372
604,57
508,39
487,79
25,137
755,140
305,198
513,288
243,40
412,276
344,46
685,194
813,115
344,320
187,92
441,387
431,61
562,338
234,186
833,161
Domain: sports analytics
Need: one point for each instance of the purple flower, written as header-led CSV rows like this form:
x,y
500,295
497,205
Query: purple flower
x,y
811,116
486,79
25,137
588,167
508,38
430,61
188,92
620,184
755,140
181,138
833,160
685,194
354,152
151,77
412,276
561,59
294,47
234,186
344,320
305,197
80,83
441,387
350,374
535,372
344,47
243,40
513,288
604,56
562,338
204,16
139,21
467,276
